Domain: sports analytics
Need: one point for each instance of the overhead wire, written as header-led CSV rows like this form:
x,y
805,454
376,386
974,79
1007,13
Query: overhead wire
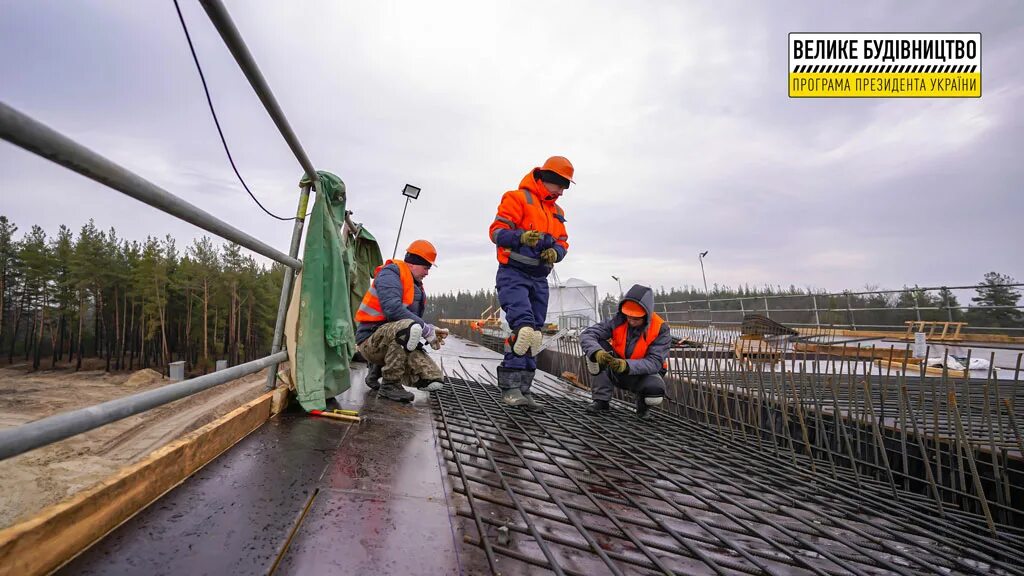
x,y
216,121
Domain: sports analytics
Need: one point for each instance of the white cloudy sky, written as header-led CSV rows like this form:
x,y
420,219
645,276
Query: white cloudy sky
x,y
675,115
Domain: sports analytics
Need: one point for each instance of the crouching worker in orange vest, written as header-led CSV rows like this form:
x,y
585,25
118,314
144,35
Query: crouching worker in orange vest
x,y
629,351
390,326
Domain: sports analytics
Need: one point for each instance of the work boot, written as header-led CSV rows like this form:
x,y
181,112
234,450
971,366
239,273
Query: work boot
x,y
373,375
394,391
643,405
532,404
599,407
429,385
525,381
508,381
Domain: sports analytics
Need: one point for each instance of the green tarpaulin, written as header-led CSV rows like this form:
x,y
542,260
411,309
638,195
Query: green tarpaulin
x,y
333,272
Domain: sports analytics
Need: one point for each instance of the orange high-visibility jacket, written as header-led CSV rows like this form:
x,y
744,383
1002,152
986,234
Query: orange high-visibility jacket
x,y
370,309
619,334
527,209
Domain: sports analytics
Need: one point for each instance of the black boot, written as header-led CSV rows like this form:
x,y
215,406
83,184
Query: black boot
x,y
525,381
599,407
394,391
372,376
428,385
641,407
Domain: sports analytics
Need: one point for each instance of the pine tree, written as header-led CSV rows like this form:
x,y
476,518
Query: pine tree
x,y
996,302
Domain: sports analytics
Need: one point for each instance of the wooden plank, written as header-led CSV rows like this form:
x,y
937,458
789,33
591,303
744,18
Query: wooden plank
x,y
917,366
45,542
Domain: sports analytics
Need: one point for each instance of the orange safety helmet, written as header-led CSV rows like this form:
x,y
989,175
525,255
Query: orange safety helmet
x,y
423,249
631,308
559,165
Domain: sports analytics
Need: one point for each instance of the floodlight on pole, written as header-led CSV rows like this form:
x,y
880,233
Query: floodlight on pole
x,y
411,193
707,297
616,278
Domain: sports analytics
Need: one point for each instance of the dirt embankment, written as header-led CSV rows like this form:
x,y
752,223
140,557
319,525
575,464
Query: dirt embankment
x,y
47,475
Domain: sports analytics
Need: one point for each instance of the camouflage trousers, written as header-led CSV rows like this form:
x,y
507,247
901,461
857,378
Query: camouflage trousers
x,y
398,364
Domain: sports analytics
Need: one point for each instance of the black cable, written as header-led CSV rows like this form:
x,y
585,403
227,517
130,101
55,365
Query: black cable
x,y
216,122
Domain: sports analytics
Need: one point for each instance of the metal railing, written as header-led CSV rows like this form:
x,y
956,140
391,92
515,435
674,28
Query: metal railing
x,y
882,310
23,131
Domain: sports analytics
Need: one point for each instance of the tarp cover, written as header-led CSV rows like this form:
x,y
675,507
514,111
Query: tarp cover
x,y
332,271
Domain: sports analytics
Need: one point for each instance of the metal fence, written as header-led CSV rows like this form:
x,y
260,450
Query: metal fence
x,y
23,131
867,310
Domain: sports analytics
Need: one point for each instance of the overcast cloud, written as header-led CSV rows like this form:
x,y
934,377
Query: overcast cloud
x,y
675,115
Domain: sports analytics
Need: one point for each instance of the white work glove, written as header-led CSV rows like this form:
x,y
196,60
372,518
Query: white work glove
x,y
429,333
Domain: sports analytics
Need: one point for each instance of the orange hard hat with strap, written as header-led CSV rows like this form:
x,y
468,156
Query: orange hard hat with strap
x,y
370,309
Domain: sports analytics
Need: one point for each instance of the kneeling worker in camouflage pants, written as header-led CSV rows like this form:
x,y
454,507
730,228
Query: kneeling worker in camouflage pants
x,y
629,351
390,325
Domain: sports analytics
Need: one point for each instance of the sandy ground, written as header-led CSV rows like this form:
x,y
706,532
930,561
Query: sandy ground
x,y
47,475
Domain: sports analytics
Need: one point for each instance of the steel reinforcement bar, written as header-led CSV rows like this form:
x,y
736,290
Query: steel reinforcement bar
x,y
674,496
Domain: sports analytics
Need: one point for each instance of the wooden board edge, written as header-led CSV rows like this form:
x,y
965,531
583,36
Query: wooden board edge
x,y
58,533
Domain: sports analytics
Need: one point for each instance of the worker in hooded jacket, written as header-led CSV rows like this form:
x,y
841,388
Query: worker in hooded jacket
x,y
529,234
390,328
628,351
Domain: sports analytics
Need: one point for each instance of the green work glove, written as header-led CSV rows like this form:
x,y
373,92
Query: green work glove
x,y
530,238
603,358
618,365
548,256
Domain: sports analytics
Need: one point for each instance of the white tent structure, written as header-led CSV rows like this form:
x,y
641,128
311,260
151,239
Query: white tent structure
x,y
571,304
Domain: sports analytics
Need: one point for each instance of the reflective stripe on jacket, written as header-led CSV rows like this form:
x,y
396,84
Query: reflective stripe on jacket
x,y
370,309
528,209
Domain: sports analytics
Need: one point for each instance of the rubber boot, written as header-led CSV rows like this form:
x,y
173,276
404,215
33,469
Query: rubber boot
x,y
508,381
599,407
394,391
372,379
525,381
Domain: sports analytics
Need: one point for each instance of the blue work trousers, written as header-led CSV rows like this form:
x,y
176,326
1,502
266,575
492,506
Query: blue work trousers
x,y
524,299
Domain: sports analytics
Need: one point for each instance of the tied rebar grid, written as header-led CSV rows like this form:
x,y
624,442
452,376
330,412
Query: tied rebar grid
x,y
576,494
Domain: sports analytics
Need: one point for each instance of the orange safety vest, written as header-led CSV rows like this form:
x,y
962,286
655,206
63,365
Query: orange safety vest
x,y
526,209
370,309
620,333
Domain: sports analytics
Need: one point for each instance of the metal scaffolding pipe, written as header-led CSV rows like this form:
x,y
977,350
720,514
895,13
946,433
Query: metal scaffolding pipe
x,y
233,39
286,283
20,439
23,131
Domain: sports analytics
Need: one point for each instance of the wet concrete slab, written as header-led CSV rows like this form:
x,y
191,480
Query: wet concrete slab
x,y
376,495
231,517
358,533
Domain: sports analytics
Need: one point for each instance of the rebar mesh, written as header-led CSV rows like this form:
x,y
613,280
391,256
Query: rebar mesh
x,y
577,494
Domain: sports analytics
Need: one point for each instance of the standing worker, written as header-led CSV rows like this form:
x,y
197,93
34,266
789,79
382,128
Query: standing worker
x,y
628,351
529,232
390,325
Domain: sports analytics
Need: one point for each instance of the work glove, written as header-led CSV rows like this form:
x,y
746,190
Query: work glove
x,y
603,358
429,333
439,335
618,365
530,238
549,256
